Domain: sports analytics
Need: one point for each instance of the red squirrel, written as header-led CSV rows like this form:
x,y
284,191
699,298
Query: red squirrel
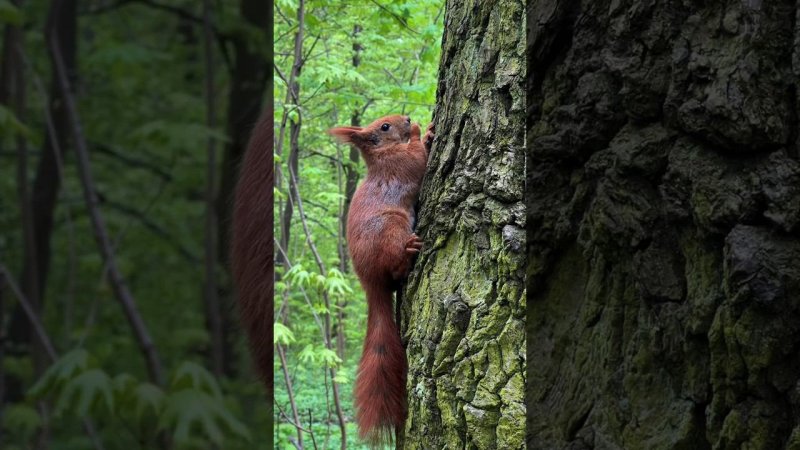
x,y
382,246
252,246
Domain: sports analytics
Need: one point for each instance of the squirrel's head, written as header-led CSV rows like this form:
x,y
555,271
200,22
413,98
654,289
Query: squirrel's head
x,y
378,136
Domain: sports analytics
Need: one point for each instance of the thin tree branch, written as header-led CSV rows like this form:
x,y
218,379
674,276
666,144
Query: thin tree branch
x,y
116,279
220,37
311,49
182,13
30,311
155,228
302,290
69,296
283,16
327,332
290,392
5,275
130,161
399,19
211,294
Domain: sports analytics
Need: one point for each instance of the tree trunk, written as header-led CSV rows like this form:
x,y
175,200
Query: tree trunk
x,y
463,308
210,287
664,203
43,197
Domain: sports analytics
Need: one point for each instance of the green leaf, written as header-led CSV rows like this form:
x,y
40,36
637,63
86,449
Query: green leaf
x,y
282,334
298,275
86,392
336,284
10,14
22,420
61,372
308,355
9,124
341,377
294,115
148,397
329,357
124,385
192,375
189,410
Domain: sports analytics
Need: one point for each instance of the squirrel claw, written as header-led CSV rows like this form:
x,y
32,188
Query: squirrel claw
x,y
429,135
413,244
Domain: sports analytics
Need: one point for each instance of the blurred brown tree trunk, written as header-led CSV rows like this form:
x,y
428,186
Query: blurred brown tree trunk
x,y
463,308
664,202
43,198
211,294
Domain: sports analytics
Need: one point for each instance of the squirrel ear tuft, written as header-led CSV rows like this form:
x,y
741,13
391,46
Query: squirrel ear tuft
x,y
345,134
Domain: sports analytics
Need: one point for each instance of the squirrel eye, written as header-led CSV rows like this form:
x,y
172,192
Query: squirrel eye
x,y
385,127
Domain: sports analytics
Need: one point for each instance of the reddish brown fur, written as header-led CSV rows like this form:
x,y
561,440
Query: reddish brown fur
x,y
252,246
382,245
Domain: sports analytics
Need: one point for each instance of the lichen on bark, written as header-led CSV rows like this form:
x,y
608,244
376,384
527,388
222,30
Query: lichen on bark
x,y
663,197
463,306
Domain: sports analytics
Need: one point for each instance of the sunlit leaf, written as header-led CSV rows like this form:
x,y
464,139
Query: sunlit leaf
x,y
282,334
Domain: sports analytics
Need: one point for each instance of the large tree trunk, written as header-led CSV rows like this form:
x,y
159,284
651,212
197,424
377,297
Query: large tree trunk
x,y
664,247
463,308
44,196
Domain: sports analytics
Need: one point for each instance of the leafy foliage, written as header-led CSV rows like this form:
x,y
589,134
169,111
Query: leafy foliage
x,y
193,406
140,97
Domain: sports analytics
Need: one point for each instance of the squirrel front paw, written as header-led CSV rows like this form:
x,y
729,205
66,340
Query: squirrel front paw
x,y
428,139
413,245
415,131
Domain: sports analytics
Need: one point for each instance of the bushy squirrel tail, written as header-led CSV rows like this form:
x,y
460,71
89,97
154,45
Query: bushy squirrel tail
x,y
252,246
380,391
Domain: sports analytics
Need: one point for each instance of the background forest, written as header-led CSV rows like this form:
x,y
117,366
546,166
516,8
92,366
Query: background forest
x,y
336,63
121,128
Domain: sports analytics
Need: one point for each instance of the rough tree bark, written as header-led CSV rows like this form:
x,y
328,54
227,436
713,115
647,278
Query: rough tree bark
x,y
664,203
463,308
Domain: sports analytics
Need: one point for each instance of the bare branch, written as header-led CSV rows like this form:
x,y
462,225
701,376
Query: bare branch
x,y
5,275
130,161
327,329
182,13
210,291
174,10
116,279
290,392
155,228
30,311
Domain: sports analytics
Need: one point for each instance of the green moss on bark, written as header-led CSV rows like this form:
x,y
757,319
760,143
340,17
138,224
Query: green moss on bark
x,y
463,309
